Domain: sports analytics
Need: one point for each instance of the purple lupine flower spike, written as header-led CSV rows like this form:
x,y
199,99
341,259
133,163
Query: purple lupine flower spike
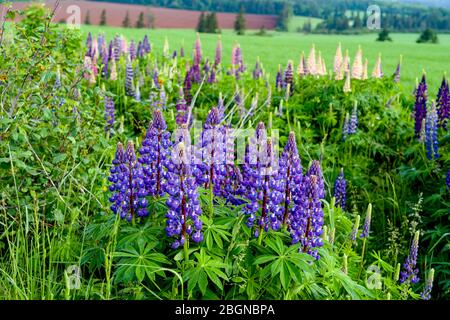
x,y
89,48
187,87
132,50
154,153
221,107
355,228
340,192
426,293
126,175
111,50
109,115
431,131
353,124
129,78
198,51
315,170
182,52
420,106
117,47
443,104
410,272
366,226
105,60
218,56
212,76
257,72
156,79
183,217
397,73
181,116
307,225
447,180
279,79
289,76
146,44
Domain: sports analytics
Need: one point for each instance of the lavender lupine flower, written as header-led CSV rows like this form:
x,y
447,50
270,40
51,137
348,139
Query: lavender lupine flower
x,y
279,79
154,153
146,44
156,79
197,51
221,106
89,45
210,151
420,107
132,50
206,66
366,226
129,78
410,272
257,72
111,50
212,76
340,192
346,126
290,173
443,104
183,217
182,52
447,180
187,87
139,50
289,76
218,56
109,115
353,125
431,138
126,175
117,47
181,107
264,191
105,59
426,293
137,92
315,170
307,225
397,71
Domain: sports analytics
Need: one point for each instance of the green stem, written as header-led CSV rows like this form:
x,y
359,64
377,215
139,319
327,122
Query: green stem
x,y
186,251
362,256
261,231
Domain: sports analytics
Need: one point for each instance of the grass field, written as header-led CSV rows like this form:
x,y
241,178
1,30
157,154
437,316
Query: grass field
x,y
277,48
298,22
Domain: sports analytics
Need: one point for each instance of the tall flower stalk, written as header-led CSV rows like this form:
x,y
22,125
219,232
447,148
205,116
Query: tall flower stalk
x,y
154,153
340,192
127,184
410,271
420,106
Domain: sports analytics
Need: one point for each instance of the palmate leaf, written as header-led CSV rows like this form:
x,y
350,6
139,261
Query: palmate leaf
x,y
286,262
214,233
206,268
137,261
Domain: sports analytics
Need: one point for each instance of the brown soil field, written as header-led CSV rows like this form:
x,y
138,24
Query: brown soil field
x,y
163,17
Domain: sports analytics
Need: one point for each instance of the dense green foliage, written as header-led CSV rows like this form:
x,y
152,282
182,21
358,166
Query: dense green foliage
x,y
54,210
207,22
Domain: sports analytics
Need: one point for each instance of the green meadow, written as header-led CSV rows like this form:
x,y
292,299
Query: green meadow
x,y
277,48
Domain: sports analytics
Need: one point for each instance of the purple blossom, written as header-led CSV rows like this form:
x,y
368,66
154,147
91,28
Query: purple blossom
x,y
290,174
181,107
431,138
346,126
218,56
289,76
426,293
353,125
212,76
182,52
263,190
279,79
397,73
117,47
410,272
307,222
340,192
447,180
154,153
443,104
420,107
146,44
187,87
197,52
155,79
127,184
132,50
315,170
257,72
109,115
183,216
366,226
129,78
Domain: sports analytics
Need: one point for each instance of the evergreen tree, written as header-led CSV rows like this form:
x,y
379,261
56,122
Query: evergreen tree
x,y
103,18
384,35
283,17
87,20
211,23
357,23
140,22
239,23
428,36
126,21
201,25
